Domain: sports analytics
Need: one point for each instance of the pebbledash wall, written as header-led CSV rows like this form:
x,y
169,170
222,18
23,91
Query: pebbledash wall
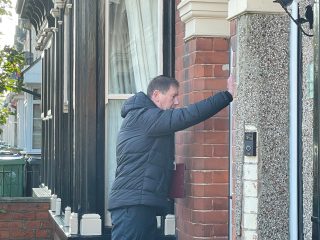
x,y
260,79
242,46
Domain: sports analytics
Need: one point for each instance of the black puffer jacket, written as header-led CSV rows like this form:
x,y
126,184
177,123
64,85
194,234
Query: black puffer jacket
x,y
145,147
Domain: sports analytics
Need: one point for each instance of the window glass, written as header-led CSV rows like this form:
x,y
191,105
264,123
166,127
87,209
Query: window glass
x,y
133,45
36,127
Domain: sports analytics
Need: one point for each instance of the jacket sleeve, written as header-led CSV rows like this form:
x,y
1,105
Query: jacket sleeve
x,y
165,122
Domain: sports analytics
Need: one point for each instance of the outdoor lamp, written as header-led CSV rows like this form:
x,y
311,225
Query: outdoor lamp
x,y
307,19
284,3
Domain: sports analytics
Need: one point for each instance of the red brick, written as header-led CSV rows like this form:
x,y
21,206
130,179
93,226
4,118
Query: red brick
x,y
16,225
219,84
179,51
220,177
4,234
179,150
208,70
187,137
216,190
209,84
206,217
199,150
221,150
209,124
179,39
220,230
192,58
4,224
180,27
179,65
212,57
199,136
214,163
178,139
221,44
221,124
197,96
22,234
198,71
204,44
192,45
201,204
42,234
199,83
22,216
21,207
185,214
200,177
4,206
33,224
216,137
220,203
198,230
208,190
4,216
220,71
191,75
198,127
45,225
179,75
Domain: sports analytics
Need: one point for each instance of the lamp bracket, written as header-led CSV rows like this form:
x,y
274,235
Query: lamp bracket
x,y
308,17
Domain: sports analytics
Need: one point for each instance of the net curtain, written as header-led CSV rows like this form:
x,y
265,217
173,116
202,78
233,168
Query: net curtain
x,y
133,52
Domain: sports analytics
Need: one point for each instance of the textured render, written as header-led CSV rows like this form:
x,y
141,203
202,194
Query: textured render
x,y
262,101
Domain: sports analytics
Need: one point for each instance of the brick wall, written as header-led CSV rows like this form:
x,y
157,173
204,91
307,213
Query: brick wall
x,y
202,69
24,218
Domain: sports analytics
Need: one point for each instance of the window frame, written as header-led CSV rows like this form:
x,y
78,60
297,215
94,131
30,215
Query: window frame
x,y
29,103
35,102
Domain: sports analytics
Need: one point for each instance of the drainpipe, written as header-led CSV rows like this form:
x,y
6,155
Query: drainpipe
x,y
230,174
293,127
316,182
299,135
230,80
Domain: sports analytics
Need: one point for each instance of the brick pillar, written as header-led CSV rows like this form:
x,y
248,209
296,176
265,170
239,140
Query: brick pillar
x,y
202,68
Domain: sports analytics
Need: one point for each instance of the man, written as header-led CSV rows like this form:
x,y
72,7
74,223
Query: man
x,y
145,155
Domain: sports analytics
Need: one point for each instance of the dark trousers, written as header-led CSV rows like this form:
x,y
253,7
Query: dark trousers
x,y
134,223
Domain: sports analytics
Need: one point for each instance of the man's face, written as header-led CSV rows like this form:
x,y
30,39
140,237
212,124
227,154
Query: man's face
x,y
166,100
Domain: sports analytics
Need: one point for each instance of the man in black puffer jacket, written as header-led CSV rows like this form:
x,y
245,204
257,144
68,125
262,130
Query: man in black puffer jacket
x,y
145,155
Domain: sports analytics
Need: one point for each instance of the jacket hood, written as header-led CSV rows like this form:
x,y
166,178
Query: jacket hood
x,y
139,100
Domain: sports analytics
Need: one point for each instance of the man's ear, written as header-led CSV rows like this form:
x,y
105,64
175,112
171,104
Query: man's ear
x,y
155,95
